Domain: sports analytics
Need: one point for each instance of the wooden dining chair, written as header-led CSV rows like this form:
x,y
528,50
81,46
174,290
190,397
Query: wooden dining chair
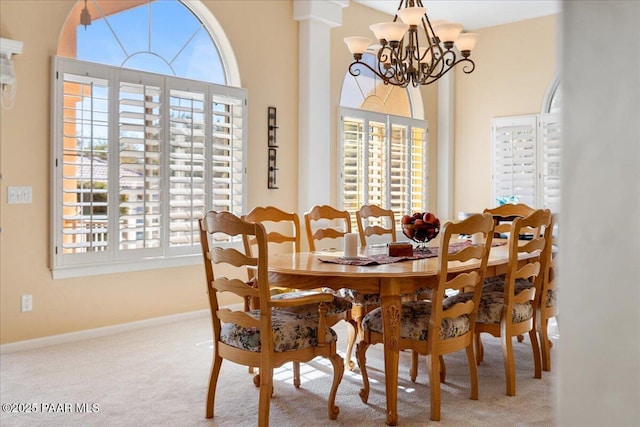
x,y
265,337
548,301
325,223
503,215
283,234
512,312
439,326
375,221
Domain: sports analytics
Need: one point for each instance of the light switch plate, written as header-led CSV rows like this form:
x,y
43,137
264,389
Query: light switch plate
x,y
19,195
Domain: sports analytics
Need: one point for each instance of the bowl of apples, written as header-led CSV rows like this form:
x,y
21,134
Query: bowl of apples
x,y
420,227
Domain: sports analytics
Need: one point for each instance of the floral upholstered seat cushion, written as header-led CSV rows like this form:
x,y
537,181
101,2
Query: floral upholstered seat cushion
x,y
355,297
497,284
337,306
290,332
415,322
490,309
552,298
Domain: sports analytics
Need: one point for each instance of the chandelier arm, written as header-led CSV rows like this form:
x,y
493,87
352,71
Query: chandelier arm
x,y
354,71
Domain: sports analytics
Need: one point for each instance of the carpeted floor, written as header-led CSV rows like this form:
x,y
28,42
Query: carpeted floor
x,y
158,376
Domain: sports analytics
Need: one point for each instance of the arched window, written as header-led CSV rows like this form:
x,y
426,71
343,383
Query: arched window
x,y
552,102
148,135
383,143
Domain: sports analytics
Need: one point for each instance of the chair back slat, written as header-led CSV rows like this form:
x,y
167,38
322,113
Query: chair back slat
x,y
238,317
525,295
464,280
232,257
459,309
531,269
236,286
468,253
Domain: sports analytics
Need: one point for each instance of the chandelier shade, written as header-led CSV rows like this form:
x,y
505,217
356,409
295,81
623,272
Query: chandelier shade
x,y
412,50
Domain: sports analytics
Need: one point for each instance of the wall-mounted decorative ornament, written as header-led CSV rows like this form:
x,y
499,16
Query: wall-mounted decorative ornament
x,y
271,142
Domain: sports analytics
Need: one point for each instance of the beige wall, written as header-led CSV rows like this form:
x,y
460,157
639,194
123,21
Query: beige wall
x,y
68,305
515,63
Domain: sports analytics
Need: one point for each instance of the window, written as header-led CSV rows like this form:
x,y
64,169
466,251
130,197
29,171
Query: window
x,y
383,150
139,156
526,160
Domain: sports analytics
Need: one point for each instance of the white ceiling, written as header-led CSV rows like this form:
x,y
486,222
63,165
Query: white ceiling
x,y
475,14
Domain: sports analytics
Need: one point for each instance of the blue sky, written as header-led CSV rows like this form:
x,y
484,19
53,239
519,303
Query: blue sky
x,y
161,37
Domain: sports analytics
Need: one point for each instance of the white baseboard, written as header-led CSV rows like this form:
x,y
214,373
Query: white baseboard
x,y
98,332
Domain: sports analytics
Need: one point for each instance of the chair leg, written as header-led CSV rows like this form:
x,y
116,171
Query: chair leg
x,y
213,380
413,371
473,372
338,372
537,367
361,350
479,348
509,366
434,383
443,369
545,346
266,389
296,374
352,331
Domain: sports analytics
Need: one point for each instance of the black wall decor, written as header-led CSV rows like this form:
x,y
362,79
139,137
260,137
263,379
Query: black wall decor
x,y
271,142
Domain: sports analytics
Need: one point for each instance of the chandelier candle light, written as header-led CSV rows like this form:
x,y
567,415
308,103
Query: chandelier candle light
x,y
407,56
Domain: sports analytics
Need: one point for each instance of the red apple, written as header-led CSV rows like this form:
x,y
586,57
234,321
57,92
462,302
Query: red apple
x,y
429,218
406,219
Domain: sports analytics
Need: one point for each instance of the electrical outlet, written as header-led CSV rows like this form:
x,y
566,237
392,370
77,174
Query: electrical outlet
x,y
27,302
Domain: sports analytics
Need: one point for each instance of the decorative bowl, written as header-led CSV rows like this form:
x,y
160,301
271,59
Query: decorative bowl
x,y
421,233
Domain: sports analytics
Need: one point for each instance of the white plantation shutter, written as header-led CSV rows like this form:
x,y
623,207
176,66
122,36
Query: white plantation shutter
x,y
526,162
383,161
140,169
352,171
228,155
84,181
139,158
375,159
549,137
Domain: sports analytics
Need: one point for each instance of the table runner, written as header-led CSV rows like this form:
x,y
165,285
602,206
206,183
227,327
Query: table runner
x,y
386,259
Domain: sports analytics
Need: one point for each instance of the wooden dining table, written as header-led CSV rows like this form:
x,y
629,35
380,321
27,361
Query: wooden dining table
x,y
305,270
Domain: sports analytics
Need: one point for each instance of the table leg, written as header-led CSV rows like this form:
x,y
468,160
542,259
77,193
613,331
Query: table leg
x,y
391,313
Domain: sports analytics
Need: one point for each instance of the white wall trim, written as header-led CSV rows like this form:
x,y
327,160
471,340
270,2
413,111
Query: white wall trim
x,y
99,332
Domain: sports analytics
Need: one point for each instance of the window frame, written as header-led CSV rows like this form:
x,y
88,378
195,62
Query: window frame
x,y
116,259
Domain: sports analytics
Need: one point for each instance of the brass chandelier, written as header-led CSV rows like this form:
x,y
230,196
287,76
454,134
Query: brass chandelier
x,y
407,56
